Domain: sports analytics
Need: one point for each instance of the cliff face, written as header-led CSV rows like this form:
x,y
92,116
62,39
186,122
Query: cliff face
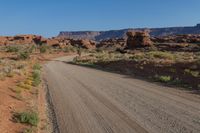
x,y
94,35
102,35
80,35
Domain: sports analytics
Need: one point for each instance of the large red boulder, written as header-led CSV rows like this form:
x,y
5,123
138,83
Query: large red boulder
x,y
138,39
83,43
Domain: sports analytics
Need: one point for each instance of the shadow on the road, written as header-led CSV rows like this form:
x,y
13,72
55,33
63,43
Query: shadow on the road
x,y
128,75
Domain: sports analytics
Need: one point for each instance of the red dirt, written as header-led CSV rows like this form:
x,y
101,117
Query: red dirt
x,y
9,104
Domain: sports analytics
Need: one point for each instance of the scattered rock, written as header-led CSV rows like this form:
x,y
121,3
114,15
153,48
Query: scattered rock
x,y
20,39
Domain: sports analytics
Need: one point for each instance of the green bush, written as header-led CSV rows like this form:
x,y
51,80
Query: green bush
x,y
24,55
28,131
27,117
69,49
160,55
99,50
164,79
37,66
43,48
36,78
12,49
30,49
191,72
137,57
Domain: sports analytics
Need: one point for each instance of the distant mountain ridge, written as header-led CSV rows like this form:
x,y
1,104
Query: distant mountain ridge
x,y
102,35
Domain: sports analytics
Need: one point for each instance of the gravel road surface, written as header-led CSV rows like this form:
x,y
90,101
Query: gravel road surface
x,y
88,100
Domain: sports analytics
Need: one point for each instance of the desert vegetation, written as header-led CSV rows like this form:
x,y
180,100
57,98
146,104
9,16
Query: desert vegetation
x,y
30,118
172,63
21,79
169,67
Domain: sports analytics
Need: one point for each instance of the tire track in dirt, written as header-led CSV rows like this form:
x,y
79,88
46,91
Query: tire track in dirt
x,y
88,100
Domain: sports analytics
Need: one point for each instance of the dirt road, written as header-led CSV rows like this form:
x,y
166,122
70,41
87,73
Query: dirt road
x,y
87,100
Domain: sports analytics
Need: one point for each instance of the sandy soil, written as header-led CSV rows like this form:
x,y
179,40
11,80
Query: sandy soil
x,y
87,100
9,104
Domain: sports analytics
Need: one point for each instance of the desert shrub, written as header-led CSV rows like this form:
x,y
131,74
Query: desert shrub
x,y
191,72
28,130
43,48
99,50
177,82
102,57
8,71
69,49
198,86
24,86
137,57
172,70
30,49
36,78
76,60
36,75
28,82
12,48
17,90
79,51
20,66
30,118
83,61
2,76
37,66
23,55
160,55
164,79
10,74
18,96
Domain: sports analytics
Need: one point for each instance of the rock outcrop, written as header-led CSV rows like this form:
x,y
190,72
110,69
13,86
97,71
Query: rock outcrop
x,y
21,39
39,40
83,43
187,38
138,39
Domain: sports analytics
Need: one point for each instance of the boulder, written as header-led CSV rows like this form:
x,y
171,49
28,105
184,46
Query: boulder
x,y
138,39
88,44
83,43
53,42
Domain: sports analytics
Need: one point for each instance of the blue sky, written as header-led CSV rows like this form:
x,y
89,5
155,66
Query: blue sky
x,y
49,17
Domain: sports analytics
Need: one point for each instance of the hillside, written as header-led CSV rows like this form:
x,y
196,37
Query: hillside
x,y
101,35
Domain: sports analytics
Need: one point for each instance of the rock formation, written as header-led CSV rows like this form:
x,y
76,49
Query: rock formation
x,y
83,43
39,40
138,39
20,39
187,38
